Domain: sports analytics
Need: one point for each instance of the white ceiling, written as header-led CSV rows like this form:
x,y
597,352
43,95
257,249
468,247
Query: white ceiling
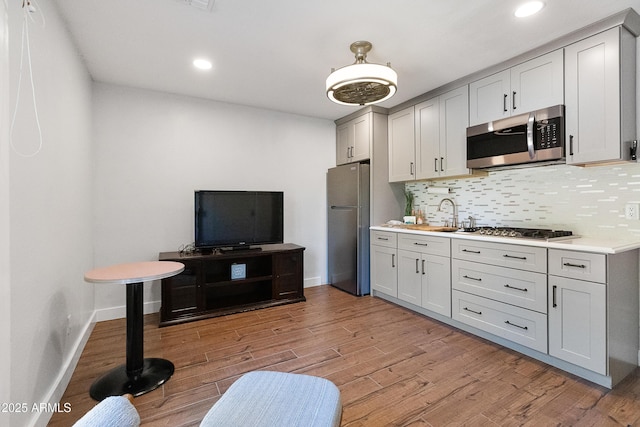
x,y
277,54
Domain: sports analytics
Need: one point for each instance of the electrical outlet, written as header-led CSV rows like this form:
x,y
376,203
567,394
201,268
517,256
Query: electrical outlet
x,y
632,211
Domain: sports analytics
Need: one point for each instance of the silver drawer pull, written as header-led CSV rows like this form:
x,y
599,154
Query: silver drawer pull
x,y
516,288
568,264
515,257
517,326
383,238
472,278
473,311
473,252
420,244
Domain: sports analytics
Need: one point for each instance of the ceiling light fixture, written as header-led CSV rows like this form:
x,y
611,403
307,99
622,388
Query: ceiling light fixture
x,y
529,8
202,64
361,83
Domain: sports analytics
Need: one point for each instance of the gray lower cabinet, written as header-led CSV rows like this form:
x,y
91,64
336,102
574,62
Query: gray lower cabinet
x,y
384,262
501,289
593,311
578,311
424,272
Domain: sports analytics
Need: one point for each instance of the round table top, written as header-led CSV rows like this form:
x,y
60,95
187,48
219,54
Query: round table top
x,y
134,272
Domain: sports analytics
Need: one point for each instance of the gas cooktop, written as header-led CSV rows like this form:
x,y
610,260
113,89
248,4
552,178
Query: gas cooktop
x,y
523,233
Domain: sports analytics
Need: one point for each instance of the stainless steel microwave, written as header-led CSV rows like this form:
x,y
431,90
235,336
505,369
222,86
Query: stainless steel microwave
x,y
532,137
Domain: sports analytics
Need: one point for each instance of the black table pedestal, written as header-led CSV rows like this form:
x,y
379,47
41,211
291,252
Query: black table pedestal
x,y
139,375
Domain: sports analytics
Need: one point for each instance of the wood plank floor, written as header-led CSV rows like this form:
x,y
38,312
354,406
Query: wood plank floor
x,y
393,367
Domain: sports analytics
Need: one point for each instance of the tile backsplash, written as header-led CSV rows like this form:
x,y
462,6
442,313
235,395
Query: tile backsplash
x,y
588,201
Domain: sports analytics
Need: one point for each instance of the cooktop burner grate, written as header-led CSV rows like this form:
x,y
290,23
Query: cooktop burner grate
x,y
527,233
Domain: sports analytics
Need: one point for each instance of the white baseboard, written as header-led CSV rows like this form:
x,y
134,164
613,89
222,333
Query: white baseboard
x,y
41,418
120,312
312,281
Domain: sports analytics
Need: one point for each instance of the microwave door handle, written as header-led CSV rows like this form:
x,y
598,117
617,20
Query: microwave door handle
x,y
530,129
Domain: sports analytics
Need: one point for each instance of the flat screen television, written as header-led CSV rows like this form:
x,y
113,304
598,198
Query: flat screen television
x,y
238,219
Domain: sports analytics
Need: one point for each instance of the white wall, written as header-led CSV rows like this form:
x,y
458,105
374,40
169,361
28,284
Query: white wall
x,y
152,150
5,290
50,221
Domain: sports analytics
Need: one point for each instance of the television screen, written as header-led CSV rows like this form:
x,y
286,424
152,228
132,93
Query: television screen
x,y
238,218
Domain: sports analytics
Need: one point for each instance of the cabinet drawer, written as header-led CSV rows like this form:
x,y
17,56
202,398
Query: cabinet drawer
x,y
525,327
425,244
578,265
384,238
524,289
501,254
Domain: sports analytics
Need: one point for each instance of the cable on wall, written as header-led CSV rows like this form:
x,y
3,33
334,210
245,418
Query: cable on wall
x,y
28,9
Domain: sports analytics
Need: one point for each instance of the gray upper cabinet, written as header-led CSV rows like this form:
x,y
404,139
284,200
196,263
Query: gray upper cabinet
x,y
402,154
600,97
353,140
428,140
534,84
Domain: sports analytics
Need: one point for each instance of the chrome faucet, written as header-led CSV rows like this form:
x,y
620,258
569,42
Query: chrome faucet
x,y
455,211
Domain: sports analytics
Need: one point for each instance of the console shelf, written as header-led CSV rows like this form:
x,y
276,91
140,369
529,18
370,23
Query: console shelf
x,y
223,283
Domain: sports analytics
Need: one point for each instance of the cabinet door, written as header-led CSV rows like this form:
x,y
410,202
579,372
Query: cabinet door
x,y
538,83
384,270
181,293
454,120
489,98
578,323
361,146
409,277
343,144
427,139
592,84
287,268
436,284
402,146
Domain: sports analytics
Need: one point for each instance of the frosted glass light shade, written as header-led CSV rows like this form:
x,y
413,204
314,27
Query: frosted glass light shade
x,y
361,83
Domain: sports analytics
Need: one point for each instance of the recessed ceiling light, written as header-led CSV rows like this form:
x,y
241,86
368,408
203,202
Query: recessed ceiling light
x,y
202,64
529,8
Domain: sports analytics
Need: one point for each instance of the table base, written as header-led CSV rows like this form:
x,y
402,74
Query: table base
x,y
116,382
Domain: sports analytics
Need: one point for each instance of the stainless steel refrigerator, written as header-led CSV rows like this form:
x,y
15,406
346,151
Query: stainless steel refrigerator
x,y
348,227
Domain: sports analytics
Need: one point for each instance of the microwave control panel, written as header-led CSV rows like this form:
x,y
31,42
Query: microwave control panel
x,y
549,133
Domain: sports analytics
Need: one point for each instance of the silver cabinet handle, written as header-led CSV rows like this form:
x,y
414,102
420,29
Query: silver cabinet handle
x,y
471,252
515,257
441,164
386,239
435,164
504,103
420,244
553,299
393,260
417,268
473,311
411,172
472,278
513,100
423,273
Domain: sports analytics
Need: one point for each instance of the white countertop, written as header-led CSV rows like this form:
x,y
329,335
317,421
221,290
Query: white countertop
x,y
588,244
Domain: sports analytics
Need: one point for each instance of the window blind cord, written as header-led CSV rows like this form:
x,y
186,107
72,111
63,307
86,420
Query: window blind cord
x,y
25,38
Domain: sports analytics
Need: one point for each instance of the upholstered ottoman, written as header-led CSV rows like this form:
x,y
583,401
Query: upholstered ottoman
x,y
264,398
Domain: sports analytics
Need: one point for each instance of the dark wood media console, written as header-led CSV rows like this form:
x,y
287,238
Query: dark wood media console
x,y
223,283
